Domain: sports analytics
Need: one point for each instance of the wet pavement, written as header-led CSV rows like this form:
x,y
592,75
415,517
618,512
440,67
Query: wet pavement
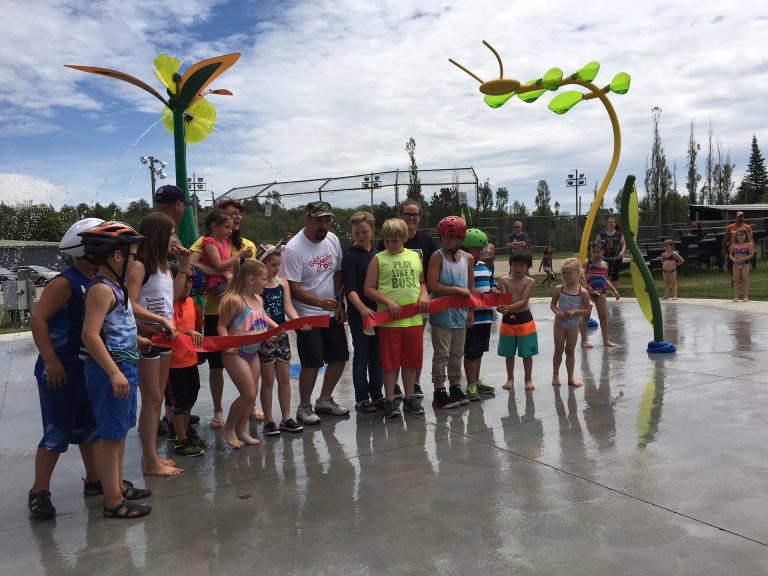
x,y
657,466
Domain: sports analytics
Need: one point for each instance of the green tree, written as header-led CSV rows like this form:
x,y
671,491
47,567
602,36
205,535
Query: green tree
x,y
484,199
136,211
754,185
502,200
692,175
414,182
658,177
722,177
444,203
519,210
543,199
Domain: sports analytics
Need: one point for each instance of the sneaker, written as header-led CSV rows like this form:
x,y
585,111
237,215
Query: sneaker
x,y
329,406
194,419
483,388
457,395
290,425
390,409
195,437
417,392
189,448
472,394
398,392
306,415
442,400
366,406
413,406
270,429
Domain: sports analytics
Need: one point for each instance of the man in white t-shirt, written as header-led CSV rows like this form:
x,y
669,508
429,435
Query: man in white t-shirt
x,y
311,263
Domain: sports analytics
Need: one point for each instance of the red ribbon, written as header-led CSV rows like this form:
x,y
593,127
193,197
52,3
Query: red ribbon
x,y
440,305
218,343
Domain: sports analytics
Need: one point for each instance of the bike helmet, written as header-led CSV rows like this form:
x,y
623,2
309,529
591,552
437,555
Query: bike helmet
x,y
101,241
71,243
475,238
452,226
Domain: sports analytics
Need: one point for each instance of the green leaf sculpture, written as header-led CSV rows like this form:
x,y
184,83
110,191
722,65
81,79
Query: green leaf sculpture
x,y
551,80
497,101
620,83
530,97
589,71
564,101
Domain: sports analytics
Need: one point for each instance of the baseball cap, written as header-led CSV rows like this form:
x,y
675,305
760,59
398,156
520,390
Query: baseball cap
x,y
169,194
739,213
319,208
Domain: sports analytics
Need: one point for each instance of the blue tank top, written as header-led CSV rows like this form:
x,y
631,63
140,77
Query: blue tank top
x,y
274,303
66,327
452,274
119,328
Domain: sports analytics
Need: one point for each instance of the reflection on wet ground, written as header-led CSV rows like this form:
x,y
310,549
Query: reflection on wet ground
x,y
657,465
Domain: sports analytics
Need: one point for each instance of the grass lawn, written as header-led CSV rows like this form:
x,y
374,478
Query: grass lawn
x,y
694,284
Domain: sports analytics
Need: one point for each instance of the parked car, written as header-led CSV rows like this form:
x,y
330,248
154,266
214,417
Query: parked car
x,y
6,275
40,275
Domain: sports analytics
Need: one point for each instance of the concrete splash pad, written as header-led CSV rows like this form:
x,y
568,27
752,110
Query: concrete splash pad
x,y
656,466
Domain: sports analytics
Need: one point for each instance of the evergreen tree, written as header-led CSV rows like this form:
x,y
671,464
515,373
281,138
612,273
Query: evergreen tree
x,y
722,177
543,199
519,209
706,190
754,185
693,176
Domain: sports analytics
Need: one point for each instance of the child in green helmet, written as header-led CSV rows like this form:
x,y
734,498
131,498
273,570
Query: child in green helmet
x,y
479,334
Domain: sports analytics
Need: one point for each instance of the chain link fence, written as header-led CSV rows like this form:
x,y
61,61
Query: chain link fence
x,y
276,209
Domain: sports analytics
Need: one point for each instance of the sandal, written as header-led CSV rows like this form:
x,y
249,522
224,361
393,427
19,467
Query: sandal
x,y
127,510
131,493
217,421
366,406
40,505
94,487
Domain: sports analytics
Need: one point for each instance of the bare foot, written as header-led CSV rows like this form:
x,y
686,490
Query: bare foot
x,y
665,298
160,469
508,385
746,299
556,380
735,299
231,437
245,437
257,415
529,385
586,345
576,383
167,462
674,297
609,344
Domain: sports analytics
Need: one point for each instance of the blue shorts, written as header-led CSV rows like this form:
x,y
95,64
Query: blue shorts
x,y
66,411
114,416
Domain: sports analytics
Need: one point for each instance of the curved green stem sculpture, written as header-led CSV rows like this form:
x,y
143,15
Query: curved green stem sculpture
x,y
185,92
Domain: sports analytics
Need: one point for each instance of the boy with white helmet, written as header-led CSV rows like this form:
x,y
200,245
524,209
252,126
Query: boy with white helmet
x,y
57,324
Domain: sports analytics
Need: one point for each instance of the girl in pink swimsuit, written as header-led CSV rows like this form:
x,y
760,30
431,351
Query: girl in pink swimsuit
x,y
241,312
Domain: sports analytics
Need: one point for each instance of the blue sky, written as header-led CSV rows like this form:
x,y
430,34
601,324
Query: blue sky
x,y
330,88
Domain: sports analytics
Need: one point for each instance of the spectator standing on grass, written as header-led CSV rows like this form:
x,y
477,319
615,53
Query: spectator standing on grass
x,y
729,236
518,240
614,247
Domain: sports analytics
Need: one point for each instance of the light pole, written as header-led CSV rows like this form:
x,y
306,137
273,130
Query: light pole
x,y
196,185
152,163
371,182
574,180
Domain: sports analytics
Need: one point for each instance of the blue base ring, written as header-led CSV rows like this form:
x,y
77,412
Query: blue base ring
x,y
661,347
592,323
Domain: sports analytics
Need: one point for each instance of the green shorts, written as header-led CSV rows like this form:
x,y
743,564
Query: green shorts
x,y
517,336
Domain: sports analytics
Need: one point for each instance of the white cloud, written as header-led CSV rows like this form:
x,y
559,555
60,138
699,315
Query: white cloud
x,y
17,188
338,87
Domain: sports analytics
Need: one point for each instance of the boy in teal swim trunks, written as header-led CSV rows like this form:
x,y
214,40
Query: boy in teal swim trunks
x,y
517,333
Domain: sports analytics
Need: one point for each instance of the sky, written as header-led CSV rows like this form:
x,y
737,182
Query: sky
x,y
334,87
